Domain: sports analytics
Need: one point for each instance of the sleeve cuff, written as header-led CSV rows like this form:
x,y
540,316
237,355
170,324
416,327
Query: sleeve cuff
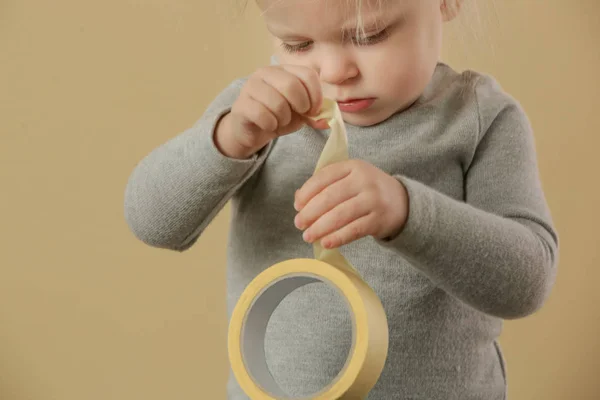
x,y
221,164
415,236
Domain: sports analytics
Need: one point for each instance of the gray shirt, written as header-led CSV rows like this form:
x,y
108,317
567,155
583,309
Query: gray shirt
x,y
478,247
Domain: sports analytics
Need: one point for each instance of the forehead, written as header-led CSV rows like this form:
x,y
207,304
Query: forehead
x,y
326,17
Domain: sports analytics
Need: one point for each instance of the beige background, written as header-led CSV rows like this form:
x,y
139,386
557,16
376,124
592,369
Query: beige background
x,y
87,88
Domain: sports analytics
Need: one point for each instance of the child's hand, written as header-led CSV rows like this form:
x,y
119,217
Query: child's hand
x,y
346,201
275,101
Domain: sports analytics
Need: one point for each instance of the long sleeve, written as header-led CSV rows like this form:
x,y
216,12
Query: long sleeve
x,y
176,190
497,250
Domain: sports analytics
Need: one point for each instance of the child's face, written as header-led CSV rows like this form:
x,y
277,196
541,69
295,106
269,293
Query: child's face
x,y
391,68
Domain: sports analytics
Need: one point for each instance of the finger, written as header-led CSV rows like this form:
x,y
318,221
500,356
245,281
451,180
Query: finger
x,y
323,178
351,232
265,94
290,87
330,197
259,115
338,218
320,124
312,83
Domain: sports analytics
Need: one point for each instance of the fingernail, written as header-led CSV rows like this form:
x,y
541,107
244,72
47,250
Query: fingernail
x,y
300,224
307,237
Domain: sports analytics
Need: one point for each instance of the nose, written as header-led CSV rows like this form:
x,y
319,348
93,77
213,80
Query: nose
x,y
336,66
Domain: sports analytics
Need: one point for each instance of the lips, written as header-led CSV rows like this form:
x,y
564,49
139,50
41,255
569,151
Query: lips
x,y
355,105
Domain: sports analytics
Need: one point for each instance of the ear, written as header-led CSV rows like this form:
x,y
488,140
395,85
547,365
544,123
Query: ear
x,y
450,9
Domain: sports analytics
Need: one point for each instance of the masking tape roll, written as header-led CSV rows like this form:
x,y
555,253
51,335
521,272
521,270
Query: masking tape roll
x,y
248,324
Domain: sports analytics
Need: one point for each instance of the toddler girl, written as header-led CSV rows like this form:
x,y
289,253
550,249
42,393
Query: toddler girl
x,y
440,208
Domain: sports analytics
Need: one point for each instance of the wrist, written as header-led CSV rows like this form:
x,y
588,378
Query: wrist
x,y
400,214
226,143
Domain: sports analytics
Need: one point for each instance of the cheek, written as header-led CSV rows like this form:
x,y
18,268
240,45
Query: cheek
x,y
393,68
416,58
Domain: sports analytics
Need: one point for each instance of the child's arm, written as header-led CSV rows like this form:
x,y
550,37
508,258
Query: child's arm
x,y
176,190
498,251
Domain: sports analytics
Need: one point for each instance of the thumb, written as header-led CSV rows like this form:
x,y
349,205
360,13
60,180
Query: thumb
x,y
318,124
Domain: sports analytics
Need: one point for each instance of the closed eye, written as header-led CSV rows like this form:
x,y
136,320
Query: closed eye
x,y
372,39
364,41
296,48
367,40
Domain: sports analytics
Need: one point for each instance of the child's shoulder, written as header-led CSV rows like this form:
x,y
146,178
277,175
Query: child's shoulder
x,y
479,91
471,84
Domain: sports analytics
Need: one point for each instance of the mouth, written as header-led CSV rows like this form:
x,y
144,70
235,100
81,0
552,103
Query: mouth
x,y
355,105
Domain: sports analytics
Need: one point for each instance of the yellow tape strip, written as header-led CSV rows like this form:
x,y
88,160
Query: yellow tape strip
x,y
261,297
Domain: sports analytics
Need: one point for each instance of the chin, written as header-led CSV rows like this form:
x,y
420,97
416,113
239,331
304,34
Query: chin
x,y
366,119
359,120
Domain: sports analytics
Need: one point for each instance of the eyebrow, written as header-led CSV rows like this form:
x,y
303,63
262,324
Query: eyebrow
x,y
372,22
369,25
375,24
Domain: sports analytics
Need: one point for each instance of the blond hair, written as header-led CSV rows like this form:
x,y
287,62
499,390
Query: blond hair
x,y
452,8
358,6
360,26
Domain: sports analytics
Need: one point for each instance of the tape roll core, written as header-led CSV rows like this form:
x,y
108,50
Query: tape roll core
x,y
255,326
